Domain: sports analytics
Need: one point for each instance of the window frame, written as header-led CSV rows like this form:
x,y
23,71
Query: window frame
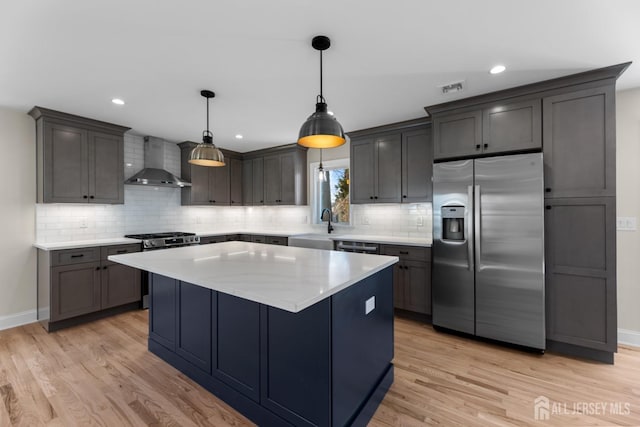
x,y
315,189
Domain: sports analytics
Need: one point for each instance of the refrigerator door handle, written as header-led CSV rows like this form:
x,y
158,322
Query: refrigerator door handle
x,y
468,227
477,212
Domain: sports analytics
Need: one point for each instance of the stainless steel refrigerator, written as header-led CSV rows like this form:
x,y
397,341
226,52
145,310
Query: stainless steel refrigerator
x,y
488,248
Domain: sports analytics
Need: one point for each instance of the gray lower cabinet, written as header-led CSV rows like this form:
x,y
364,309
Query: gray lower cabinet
x,y
79,160
580,272
256,238
499,127
77,282
411,277
392,164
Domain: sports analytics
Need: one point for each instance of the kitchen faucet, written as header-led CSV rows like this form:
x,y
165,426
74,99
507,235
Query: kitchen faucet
x,y
329,227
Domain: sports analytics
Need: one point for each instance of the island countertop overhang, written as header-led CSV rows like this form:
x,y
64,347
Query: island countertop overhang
x,y
284,277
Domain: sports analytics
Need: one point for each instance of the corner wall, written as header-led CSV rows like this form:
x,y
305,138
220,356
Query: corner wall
x,y
18,195
628,205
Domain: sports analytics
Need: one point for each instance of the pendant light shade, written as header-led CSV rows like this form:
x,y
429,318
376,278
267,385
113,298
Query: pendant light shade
x,y
321,130
206,153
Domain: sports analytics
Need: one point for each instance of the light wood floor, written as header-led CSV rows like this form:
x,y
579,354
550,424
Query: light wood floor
x,y
102,374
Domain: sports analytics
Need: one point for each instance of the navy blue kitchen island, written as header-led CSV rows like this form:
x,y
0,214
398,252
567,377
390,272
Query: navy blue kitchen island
x,y
327,364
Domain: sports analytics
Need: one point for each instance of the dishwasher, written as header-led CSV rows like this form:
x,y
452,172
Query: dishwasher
x,y
359,247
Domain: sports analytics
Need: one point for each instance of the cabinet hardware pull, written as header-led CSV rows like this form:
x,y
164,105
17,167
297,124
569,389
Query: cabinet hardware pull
x,y
548,207
104,268
85,197
477,146
404,196
486,145
77,256
97,268
375,197
371,197
122,251
404,253
91,197
548,190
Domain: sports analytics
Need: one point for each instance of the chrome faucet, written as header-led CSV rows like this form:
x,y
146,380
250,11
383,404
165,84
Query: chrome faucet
x,y
329,227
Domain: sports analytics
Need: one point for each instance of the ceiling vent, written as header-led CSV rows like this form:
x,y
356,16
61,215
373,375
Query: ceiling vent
x,y
453,87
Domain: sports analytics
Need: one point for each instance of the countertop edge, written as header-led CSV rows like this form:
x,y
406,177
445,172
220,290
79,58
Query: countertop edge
x,y
57,246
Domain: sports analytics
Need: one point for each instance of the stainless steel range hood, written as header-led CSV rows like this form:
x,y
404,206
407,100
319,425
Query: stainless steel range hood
x,y
154,172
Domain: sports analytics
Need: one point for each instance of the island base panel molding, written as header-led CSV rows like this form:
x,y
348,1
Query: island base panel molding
x,y
344,367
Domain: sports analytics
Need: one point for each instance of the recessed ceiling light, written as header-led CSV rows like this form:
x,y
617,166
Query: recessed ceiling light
x,y
497,69
117,101
238,136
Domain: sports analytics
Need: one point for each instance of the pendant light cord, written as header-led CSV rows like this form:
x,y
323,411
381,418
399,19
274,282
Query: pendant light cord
x,y
320,97
207,115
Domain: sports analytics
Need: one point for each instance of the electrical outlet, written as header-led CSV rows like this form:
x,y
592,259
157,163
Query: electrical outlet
x,y
624,223
420,221
370,305
365,220
83,222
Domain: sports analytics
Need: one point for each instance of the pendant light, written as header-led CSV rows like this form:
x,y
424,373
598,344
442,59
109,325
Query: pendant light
x,y
321,130
321,172
206,153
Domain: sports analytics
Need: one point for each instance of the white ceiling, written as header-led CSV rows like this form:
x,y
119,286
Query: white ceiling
x,y
386,61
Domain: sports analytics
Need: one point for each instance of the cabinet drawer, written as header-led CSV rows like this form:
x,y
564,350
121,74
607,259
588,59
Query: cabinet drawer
x,y
120,249
276,240
212,239
407,252
75,256
257,239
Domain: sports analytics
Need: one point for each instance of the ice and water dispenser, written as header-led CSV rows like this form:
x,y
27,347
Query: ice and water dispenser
x,y
453,223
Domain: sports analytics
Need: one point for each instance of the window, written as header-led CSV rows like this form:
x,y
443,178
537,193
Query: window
x,y
333,192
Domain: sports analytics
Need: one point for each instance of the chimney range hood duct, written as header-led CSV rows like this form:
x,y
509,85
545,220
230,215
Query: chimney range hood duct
x,y
154,173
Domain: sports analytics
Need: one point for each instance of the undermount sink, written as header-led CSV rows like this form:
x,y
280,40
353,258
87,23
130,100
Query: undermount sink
x,y
312,240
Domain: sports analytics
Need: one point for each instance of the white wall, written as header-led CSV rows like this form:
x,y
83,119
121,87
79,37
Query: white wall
x,y
628,205
18,193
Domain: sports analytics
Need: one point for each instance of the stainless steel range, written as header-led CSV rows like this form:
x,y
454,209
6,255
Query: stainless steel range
x,y
154,241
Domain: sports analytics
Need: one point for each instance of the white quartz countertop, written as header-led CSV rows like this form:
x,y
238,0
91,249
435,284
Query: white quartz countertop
x,y
84,243
389,240
284,277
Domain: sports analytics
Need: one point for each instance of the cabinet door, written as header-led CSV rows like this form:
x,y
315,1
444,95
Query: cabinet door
x,y
65,164
417,286
287,179
580,263
272,178
75,290
398,286
457,135
579,143
361,171
163,301
235,184
194,325
417,166
247,182
219,185
512,127
200,184
106,168
388,170
120,284
236,351
258,181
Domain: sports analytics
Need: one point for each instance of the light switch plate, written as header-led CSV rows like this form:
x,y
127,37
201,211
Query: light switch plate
x,y
626,223
370,305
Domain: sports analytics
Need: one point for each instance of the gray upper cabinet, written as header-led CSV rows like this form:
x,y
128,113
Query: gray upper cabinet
x,y
235,184
285,176
391,164
376,169
417,166
252,182
80,160
579,143
209,185
457,135
499,127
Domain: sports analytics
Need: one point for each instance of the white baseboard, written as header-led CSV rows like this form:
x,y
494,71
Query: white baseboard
x,y
628,337
18,319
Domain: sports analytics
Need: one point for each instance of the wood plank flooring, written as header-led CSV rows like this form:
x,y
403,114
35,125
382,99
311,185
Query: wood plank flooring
x,y
102,374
